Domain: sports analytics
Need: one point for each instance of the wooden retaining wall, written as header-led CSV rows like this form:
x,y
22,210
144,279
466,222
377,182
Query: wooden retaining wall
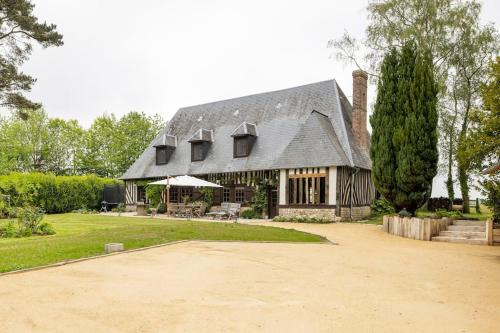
x,y
414,227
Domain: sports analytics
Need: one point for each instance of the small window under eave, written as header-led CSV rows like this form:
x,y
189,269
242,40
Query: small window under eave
x,y
165,146
244,137
200,141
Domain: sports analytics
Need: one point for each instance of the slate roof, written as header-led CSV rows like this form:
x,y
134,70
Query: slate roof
x,y
305,126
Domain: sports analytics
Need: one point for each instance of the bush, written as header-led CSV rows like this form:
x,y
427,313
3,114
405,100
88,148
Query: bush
x,y
250,214
29,218
208,196
440,213
46,228
404,213
8,230
120,208
490,187
302,219
55,194
29,222
154,192
381,207
162,209
259,200
438,203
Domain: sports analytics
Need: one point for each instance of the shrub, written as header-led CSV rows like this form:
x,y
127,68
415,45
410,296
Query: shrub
x,y
208,196
491,189
154,192
259,201
46,228
404,213
120,208
8,230
440,213
55,194
381,207
438,203
162,209
302,219
250,214
29,217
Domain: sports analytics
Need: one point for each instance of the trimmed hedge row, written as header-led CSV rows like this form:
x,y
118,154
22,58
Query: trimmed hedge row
x,y
55,194
442,203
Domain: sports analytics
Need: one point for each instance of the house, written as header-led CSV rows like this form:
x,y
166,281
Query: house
x,y
307,145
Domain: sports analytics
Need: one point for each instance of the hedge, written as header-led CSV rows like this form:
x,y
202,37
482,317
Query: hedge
x,y
55,194
434,204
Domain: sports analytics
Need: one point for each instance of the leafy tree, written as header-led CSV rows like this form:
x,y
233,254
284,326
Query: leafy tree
x,y
133,134
111,145
482,145
97,154
19,28
404,139
459,46
38,143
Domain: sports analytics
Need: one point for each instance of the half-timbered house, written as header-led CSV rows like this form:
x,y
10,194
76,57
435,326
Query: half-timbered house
x,y
308,145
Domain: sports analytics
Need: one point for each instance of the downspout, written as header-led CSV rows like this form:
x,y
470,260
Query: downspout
x,y
354,171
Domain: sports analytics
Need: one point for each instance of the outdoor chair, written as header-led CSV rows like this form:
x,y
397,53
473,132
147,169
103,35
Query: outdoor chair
x,y
228,210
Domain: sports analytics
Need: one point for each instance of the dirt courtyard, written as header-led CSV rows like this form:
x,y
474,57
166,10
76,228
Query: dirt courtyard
x,y
369,282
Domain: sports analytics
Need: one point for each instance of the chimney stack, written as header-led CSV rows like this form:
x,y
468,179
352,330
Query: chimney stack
x,y
359,88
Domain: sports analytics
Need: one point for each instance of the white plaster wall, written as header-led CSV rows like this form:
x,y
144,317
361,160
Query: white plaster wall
x,y
332,185
282,191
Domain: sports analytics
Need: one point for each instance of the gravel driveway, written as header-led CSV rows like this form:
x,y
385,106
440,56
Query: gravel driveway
x,y
370,282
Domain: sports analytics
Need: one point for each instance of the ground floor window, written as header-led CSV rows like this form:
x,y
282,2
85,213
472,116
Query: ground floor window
x,y
239,194
177,194
307,189
226,195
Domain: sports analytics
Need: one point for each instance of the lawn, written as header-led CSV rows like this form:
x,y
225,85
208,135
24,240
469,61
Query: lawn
x,y
80,235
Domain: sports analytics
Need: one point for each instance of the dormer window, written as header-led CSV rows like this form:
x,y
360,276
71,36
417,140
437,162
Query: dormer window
x,y
244,137
200,144
165,145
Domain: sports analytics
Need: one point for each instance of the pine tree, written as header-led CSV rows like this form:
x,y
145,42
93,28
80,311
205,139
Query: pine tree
x,y
382,122
404,139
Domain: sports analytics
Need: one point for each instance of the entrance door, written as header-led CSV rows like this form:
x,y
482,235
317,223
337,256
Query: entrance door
x,y
272,202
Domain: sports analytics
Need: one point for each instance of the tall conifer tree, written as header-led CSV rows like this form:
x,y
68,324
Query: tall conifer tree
x,y
404,138
382,122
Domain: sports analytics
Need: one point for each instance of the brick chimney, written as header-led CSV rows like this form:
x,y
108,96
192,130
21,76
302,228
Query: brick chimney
x,y
359,87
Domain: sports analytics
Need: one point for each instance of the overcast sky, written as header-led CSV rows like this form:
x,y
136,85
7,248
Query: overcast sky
x,y
156,56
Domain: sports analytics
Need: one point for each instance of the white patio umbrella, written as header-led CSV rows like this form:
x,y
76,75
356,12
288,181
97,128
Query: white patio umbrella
x,y
183,181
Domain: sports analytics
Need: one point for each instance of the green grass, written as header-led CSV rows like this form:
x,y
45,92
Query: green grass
x,y
483,216
80,236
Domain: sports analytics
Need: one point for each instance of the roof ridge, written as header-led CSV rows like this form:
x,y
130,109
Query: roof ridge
x,y
256,94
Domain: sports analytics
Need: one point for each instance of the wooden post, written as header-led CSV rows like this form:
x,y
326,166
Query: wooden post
x,y
168,195
489,231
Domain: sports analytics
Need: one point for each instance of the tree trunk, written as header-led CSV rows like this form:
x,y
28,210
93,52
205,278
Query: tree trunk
x,y
464,187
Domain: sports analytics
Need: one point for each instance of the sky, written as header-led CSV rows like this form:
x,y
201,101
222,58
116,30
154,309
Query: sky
x,y
119,56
